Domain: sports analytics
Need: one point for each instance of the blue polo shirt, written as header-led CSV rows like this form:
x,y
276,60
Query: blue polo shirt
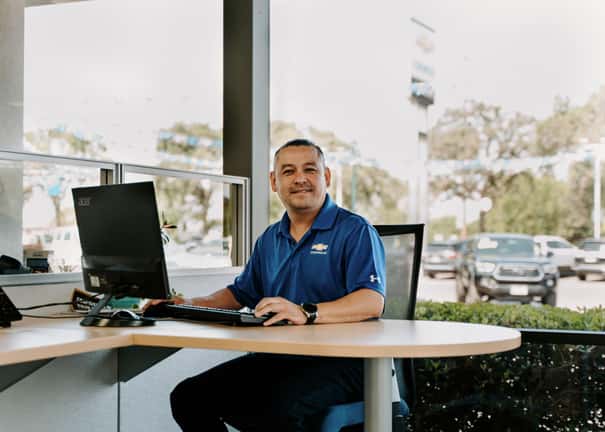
x,y
339,254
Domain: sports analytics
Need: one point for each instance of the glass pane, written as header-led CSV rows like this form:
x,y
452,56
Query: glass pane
x,y
131,81
195,214
399,251
40,229
345,90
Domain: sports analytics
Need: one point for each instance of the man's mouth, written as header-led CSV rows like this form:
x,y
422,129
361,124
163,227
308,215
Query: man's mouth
x,y
300,191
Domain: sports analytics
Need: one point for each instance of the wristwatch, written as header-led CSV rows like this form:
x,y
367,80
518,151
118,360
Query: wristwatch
x,y
310,310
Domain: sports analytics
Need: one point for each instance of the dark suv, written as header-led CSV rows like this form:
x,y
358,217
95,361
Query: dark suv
x,y
505,267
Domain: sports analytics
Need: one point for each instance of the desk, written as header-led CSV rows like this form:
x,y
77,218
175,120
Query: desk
x,y
375,341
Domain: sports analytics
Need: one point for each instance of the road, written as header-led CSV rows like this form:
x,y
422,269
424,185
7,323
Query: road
x,y
571,292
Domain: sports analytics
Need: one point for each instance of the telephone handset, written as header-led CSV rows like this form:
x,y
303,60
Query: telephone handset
x,y
8,311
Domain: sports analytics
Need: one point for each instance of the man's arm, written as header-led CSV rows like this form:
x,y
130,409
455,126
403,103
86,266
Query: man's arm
x,y
222,298
359,305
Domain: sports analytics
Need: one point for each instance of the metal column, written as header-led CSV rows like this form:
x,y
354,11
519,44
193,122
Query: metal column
x,y
378,394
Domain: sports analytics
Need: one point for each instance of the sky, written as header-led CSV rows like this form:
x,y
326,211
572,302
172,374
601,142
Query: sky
x,y
124,69
355,66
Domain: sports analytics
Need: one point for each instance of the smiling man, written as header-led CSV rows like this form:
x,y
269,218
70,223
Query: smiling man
x,y
319,264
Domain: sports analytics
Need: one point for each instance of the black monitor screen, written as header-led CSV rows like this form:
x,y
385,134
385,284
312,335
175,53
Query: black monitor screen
x,y
122,251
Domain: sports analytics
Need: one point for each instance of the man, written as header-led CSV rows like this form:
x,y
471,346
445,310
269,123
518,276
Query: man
x,y
319,264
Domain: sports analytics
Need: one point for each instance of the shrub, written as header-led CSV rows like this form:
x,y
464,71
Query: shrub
x,y
514,315
536,387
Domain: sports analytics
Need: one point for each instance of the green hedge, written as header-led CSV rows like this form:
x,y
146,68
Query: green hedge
x,y
514,315
548,387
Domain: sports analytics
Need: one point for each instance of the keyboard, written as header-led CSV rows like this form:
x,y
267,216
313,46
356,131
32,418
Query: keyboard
x,y
204,314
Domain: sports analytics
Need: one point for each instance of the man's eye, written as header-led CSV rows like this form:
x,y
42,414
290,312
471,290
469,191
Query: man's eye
x,y
287,172
311,170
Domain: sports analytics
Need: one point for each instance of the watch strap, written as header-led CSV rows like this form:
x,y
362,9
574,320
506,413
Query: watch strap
x,y
310,310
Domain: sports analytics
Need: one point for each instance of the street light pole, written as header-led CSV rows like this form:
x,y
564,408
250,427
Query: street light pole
x,y
597,195
596,210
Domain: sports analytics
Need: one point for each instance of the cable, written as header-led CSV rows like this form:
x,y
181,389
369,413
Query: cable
x,y
52,316
45,305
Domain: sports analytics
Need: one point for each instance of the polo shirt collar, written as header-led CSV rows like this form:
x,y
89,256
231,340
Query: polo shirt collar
x,y
324,220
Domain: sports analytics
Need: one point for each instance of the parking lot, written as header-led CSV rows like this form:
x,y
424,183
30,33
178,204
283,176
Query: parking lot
x,y
571,292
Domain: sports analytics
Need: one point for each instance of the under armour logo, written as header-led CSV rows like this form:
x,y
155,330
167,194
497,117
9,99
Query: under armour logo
x,y
374,278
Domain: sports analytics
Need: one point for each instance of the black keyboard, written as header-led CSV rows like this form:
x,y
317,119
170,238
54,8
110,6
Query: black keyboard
x,y
200,313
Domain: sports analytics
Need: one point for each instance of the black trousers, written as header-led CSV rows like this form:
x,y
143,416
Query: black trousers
x,y
266,392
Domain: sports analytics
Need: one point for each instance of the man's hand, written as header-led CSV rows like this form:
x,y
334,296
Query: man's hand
x,y
283,309
175,300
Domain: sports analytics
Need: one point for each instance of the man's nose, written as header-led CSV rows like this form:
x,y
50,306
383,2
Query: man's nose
x,y
300,178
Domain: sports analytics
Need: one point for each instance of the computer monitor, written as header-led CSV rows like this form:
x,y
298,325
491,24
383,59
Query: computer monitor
x,y
122,250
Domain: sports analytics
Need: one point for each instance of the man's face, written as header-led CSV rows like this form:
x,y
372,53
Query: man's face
x,y
300,179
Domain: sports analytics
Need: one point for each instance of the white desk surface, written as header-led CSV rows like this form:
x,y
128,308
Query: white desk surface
x,y
35,339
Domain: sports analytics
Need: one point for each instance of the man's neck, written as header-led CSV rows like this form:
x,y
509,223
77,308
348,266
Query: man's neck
x,y
300,223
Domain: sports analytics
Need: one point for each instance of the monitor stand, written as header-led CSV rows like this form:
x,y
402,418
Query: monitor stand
x,y
95,319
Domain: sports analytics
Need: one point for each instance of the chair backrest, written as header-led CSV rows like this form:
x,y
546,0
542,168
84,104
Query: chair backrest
x,y
403,251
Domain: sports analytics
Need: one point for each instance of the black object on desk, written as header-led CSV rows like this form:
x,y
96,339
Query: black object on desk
x,y
8,311
206,314
122,250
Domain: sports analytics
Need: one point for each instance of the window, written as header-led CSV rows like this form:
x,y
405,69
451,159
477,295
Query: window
x,y
131,81
199,215
346,90
458,109
42,229
512,150
110,80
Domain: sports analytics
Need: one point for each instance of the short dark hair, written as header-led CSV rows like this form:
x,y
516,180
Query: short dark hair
x,y
302,142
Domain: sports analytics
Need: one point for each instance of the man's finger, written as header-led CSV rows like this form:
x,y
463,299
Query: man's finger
x,y
275,318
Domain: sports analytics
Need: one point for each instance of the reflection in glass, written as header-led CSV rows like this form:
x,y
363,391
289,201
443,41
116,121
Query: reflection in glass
x,y
50,241
194,213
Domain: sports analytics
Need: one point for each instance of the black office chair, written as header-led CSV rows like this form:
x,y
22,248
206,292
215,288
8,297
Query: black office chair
x,y
403,250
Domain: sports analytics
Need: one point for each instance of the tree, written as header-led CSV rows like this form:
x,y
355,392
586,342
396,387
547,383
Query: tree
x,y
486,134
58,183
532,205
194,142
577,223
444,227
188,201
568,126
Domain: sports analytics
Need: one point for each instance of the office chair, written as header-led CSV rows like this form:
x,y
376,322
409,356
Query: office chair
x,y
403,250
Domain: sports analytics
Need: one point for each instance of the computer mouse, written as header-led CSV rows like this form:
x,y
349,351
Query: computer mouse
x,y
125,314
157,310
268,315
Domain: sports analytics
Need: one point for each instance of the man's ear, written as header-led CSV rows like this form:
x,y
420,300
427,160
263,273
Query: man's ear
x,y
272,181
328,176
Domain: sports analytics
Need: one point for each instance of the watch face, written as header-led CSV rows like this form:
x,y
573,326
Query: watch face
x,y
309,307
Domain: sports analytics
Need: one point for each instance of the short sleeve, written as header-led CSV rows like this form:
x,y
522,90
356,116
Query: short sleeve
x,y
365,260
247,286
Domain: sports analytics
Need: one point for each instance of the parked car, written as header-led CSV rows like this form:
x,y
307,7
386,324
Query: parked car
x,y
439,257
590,258
505,267
560,251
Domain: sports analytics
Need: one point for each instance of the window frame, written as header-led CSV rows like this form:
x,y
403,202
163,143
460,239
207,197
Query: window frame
x,y
114,173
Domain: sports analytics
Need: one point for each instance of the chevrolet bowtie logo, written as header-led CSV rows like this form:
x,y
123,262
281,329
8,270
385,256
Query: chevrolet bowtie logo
x,y
319,247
